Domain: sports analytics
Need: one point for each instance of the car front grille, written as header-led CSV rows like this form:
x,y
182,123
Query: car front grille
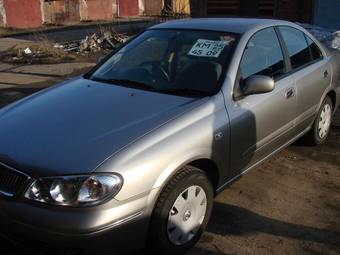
x,y
11,181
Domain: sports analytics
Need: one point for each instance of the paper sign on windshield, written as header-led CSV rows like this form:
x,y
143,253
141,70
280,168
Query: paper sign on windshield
x,y
207,48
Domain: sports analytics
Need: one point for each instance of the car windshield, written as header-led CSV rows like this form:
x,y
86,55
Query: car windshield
x,y
185,62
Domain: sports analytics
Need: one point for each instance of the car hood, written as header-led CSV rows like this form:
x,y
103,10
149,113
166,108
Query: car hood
x,y
74,127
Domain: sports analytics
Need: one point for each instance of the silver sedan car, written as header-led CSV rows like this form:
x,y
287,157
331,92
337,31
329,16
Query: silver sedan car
x,y
131,155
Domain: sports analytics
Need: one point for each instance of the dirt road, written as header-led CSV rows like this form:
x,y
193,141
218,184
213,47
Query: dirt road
x,y
288,205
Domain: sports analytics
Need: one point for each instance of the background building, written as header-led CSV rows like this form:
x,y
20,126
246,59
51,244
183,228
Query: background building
x,y
295,10
327,13
35,13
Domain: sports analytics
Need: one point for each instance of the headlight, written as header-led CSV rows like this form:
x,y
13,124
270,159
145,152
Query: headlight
x,y
75,190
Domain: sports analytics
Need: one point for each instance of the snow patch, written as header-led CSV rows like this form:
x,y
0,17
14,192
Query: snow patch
x,y
329,37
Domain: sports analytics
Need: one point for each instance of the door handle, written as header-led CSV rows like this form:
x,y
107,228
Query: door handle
x,y
325,74
290,93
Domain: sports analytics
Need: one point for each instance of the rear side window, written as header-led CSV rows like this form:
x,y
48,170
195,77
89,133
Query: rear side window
x,y
263,56
314,49
297,46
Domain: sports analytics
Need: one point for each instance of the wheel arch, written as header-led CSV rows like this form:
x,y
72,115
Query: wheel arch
x,y
332,96
210,168
206,164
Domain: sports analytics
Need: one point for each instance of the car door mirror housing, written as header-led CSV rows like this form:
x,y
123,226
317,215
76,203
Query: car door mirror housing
x,y
258,84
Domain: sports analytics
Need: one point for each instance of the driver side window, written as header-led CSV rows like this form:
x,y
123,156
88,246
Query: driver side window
x,y
263,56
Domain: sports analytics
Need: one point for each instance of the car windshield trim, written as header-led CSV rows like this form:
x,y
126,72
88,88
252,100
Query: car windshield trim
x,y
125,82
138,85
185,92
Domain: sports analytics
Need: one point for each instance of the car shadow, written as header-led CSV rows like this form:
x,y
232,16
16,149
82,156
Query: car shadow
x,y
233,220
202,251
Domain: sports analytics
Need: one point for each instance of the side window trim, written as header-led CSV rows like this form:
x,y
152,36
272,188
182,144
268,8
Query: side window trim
x,y
310,49
284,50
291,71
317,45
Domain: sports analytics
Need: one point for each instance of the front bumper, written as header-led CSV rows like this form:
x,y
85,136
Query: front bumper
x,y
115,226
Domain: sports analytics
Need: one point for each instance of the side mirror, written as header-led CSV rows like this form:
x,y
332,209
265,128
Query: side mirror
x,y
258,84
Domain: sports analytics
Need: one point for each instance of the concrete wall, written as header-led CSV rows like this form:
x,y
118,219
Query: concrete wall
x,y
35,13
97,10
128,8
60,11
2,14
153,7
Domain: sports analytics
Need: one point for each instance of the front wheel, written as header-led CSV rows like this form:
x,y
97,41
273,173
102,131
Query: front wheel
x,y
181,213
322,124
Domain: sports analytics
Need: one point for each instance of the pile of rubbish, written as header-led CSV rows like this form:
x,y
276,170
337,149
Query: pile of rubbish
x,y
44,51
329,37
36,54
96,42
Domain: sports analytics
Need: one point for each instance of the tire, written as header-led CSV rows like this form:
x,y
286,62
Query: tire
x,y
324,117
186,188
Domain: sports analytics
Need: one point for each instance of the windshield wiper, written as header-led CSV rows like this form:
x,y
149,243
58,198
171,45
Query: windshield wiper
x,y
185,92
128,83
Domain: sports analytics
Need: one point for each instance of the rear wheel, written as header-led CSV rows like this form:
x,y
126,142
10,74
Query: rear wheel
x,y
181,213
322,124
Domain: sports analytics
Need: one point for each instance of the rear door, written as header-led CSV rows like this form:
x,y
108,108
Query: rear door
x,y
310,71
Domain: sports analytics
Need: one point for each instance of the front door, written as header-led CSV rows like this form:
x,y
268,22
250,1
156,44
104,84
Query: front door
x,y
261,123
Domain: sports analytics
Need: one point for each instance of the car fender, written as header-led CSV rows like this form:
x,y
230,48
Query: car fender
x,y
148,163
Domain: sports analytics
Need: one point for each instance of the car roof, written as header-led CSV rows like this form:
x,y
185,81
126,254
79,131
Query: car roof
x,y
231,25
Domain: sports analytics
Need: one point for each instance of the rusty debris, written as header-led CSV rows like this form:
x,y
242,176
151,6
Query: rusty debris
x,y
44,51
96,42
